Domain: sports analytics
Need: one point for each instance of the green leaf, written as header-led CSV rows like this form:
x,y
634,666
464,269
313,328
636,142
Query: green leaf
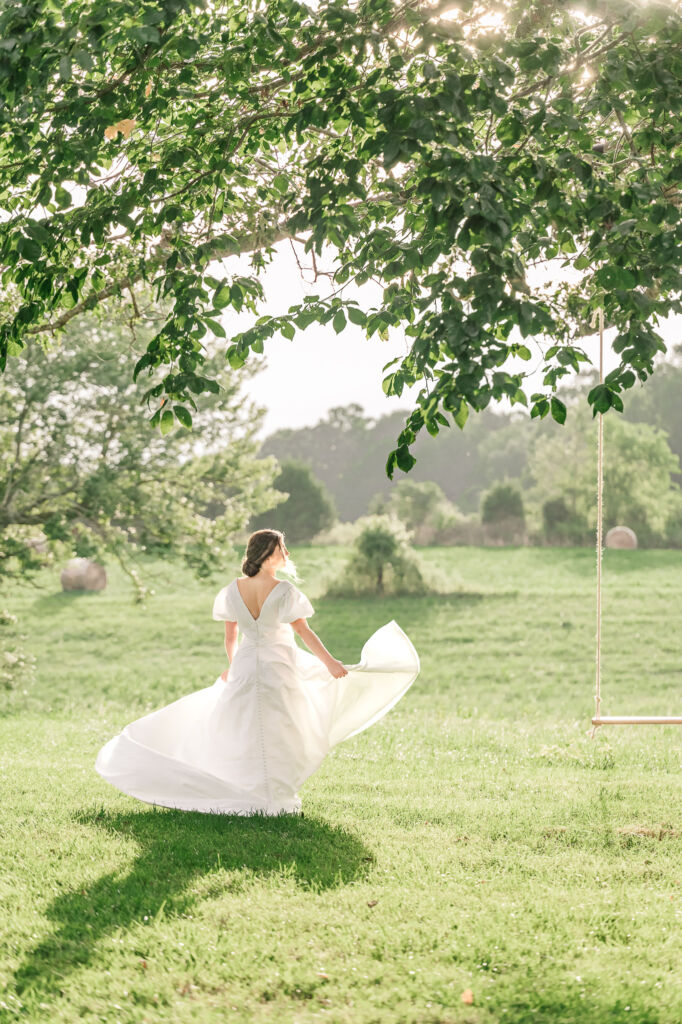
x,y
404,459
186,46
62,197
183,415
525,318
625,227
167,421
558,409
234,358
83,59
65,68
510,129
462,414
339,321
145,360
387,384
144,34
356,316
222,296
392,149
29,249
600,397
540,409
40,233
215,326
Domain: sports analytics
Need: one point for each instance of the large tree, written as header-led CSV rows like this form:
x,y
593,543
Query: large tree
x,y
306,509
639,488
80,474
441,149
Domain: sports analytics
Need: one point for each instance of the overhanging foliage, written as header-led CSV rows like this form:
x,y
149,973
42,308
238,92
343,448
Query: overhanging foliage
x,y
440,149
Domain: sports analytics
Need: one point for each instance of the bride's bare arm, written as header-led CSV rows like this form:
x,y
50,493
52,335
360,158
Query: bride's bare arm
x,y
316,647
231,635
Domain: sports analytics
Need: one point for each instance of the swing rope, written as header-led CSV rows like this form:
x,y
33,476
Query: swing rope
x,y
623,719
600,524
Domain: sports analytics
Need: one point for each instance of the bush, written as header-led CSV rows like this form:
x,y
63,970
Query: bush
x,y
457,529
503,516
563,526
503,501
381,562
422,507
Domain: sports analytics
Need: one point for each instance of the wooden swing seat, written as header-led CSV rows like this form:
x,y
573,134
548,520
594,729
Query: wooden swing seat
x,y
638,720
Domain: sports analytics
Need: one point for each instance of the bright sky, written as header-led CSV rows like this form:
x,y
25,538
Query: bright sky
x,y
302,379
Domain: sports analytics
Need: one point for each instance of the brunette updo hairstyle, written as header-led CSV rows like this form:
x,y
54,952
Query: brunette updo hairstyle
x,y
260,546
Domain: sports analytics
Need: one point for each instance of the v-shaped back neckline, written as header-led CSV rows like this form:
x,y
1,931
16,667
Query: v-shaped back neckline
x,y
255,619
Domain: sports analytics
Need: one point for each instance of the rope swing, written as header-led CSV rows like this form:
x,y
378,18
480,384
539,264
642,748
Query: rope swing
x,y
598,719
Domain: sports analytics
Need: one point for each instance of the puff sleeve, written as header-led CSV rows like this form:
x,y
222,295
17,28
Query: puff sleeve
x,y
296,606
223,607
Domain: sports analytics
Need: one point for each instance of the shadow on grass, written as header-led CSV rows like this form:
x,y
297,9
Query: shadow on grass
x,y
55,599
176,850
582,561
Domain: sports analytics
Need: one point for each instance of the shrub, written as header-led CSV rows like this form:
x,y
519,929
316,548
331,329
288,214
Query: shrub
x,y
561,525
503,501
381,562
419,505
457,529
502,515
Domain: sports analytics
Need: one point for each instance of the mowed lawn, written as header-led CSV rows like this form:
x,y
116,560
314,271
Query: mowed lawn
x,y
475,843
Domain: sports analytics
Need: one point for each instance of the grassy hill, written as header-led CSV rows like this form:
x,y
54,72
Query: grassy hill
x,y
474,839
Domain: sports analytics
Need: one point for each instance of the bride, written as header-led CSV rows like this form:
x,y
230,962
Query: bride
x,y
245,744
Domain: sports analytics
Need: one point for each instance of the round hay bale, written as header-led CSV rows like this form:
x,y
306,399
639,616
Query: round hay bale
x,y
621,537
82,574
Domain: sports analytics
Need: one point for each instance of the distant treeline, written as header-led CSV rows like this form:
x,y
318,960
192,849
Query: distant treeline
x,y
347,450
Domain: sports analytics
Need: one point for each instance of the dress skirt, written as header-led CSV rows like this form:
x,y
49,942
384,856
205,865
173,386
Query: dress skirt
x,y
245,745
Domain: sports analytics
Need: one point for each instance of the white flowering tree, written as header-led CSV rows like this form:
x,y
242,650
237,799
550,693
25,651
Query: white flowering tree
x,y
82,473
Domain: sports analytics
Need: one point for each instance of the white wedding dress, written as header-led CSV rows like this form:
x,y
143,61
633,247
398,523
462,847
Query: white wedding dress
x,y
246,745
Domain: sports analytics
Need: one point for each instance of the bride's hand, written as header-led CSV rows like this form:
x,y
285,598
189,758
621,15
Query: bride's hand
x,y
223,675
337,668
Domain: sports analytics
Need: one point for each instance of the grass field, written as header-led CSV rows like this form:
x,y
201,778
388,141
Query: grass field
x,y
476,840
